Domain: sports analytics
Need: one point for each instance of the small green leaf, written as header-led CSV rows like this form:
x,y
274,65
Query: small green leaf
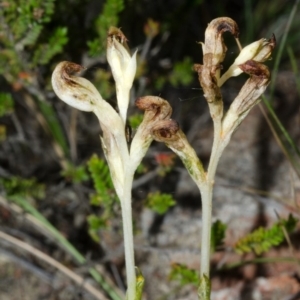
x,y
261,240
184,275
135,120
95,224
160,203
140,282
217,234
55,45
182,73
6,104
16,186
75,174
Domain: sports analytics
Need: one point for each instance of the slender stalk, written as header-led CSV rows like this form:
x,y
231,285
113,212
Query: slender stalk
x,y
206,195
206,190
128,235
217,150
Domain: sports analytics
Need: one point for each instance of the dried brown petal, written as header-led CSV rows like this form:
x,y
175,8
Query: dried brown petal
x,y
168,132
116,33
255,69
75,91
214,49
155,108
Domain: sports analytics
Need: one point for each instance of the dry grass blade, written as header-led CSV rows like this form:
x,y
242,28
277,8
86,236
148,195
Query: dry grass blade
x,y
37,253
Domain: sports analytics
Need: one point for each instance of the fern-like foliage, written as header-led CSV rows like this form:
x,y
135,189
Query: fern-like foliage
x,y
218,230
108,17
105,197
16,186
75,174
46,51
24,45
100,174
159,202
95,224
262,239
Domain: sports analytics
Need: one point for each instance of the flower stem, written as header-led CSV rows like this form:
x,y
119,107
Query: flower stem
x,y
206,195
128,237
206,190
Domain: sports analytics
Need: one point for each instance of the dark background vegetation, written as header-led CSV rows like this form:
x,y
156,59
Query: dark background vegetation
x,y
37,123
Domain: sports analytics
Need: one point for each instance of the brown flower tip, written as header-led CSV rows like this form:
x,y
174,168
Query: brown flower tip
x,y
166,131
68,69
214,49
155,108
224,24
115,33
273,41
169,132
256,69
64,72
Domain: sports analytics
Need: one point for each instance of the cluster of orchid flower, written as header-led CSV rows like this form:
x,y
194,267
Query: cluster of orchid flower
x,y
123,159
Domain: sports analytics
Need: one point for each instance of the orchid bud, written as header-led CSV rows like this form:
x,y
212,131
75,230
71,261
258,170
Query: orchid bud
x,y
258,51
123,67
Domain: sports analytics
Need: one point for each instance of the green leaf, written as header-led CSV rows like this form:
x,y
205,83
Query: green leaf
x,y
184,275
54,125
102,182
108,17
261,240
75,174
16,186
6,104
95,224
140,282
182,73
160,203
31,36
217,234
135,120
45,52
